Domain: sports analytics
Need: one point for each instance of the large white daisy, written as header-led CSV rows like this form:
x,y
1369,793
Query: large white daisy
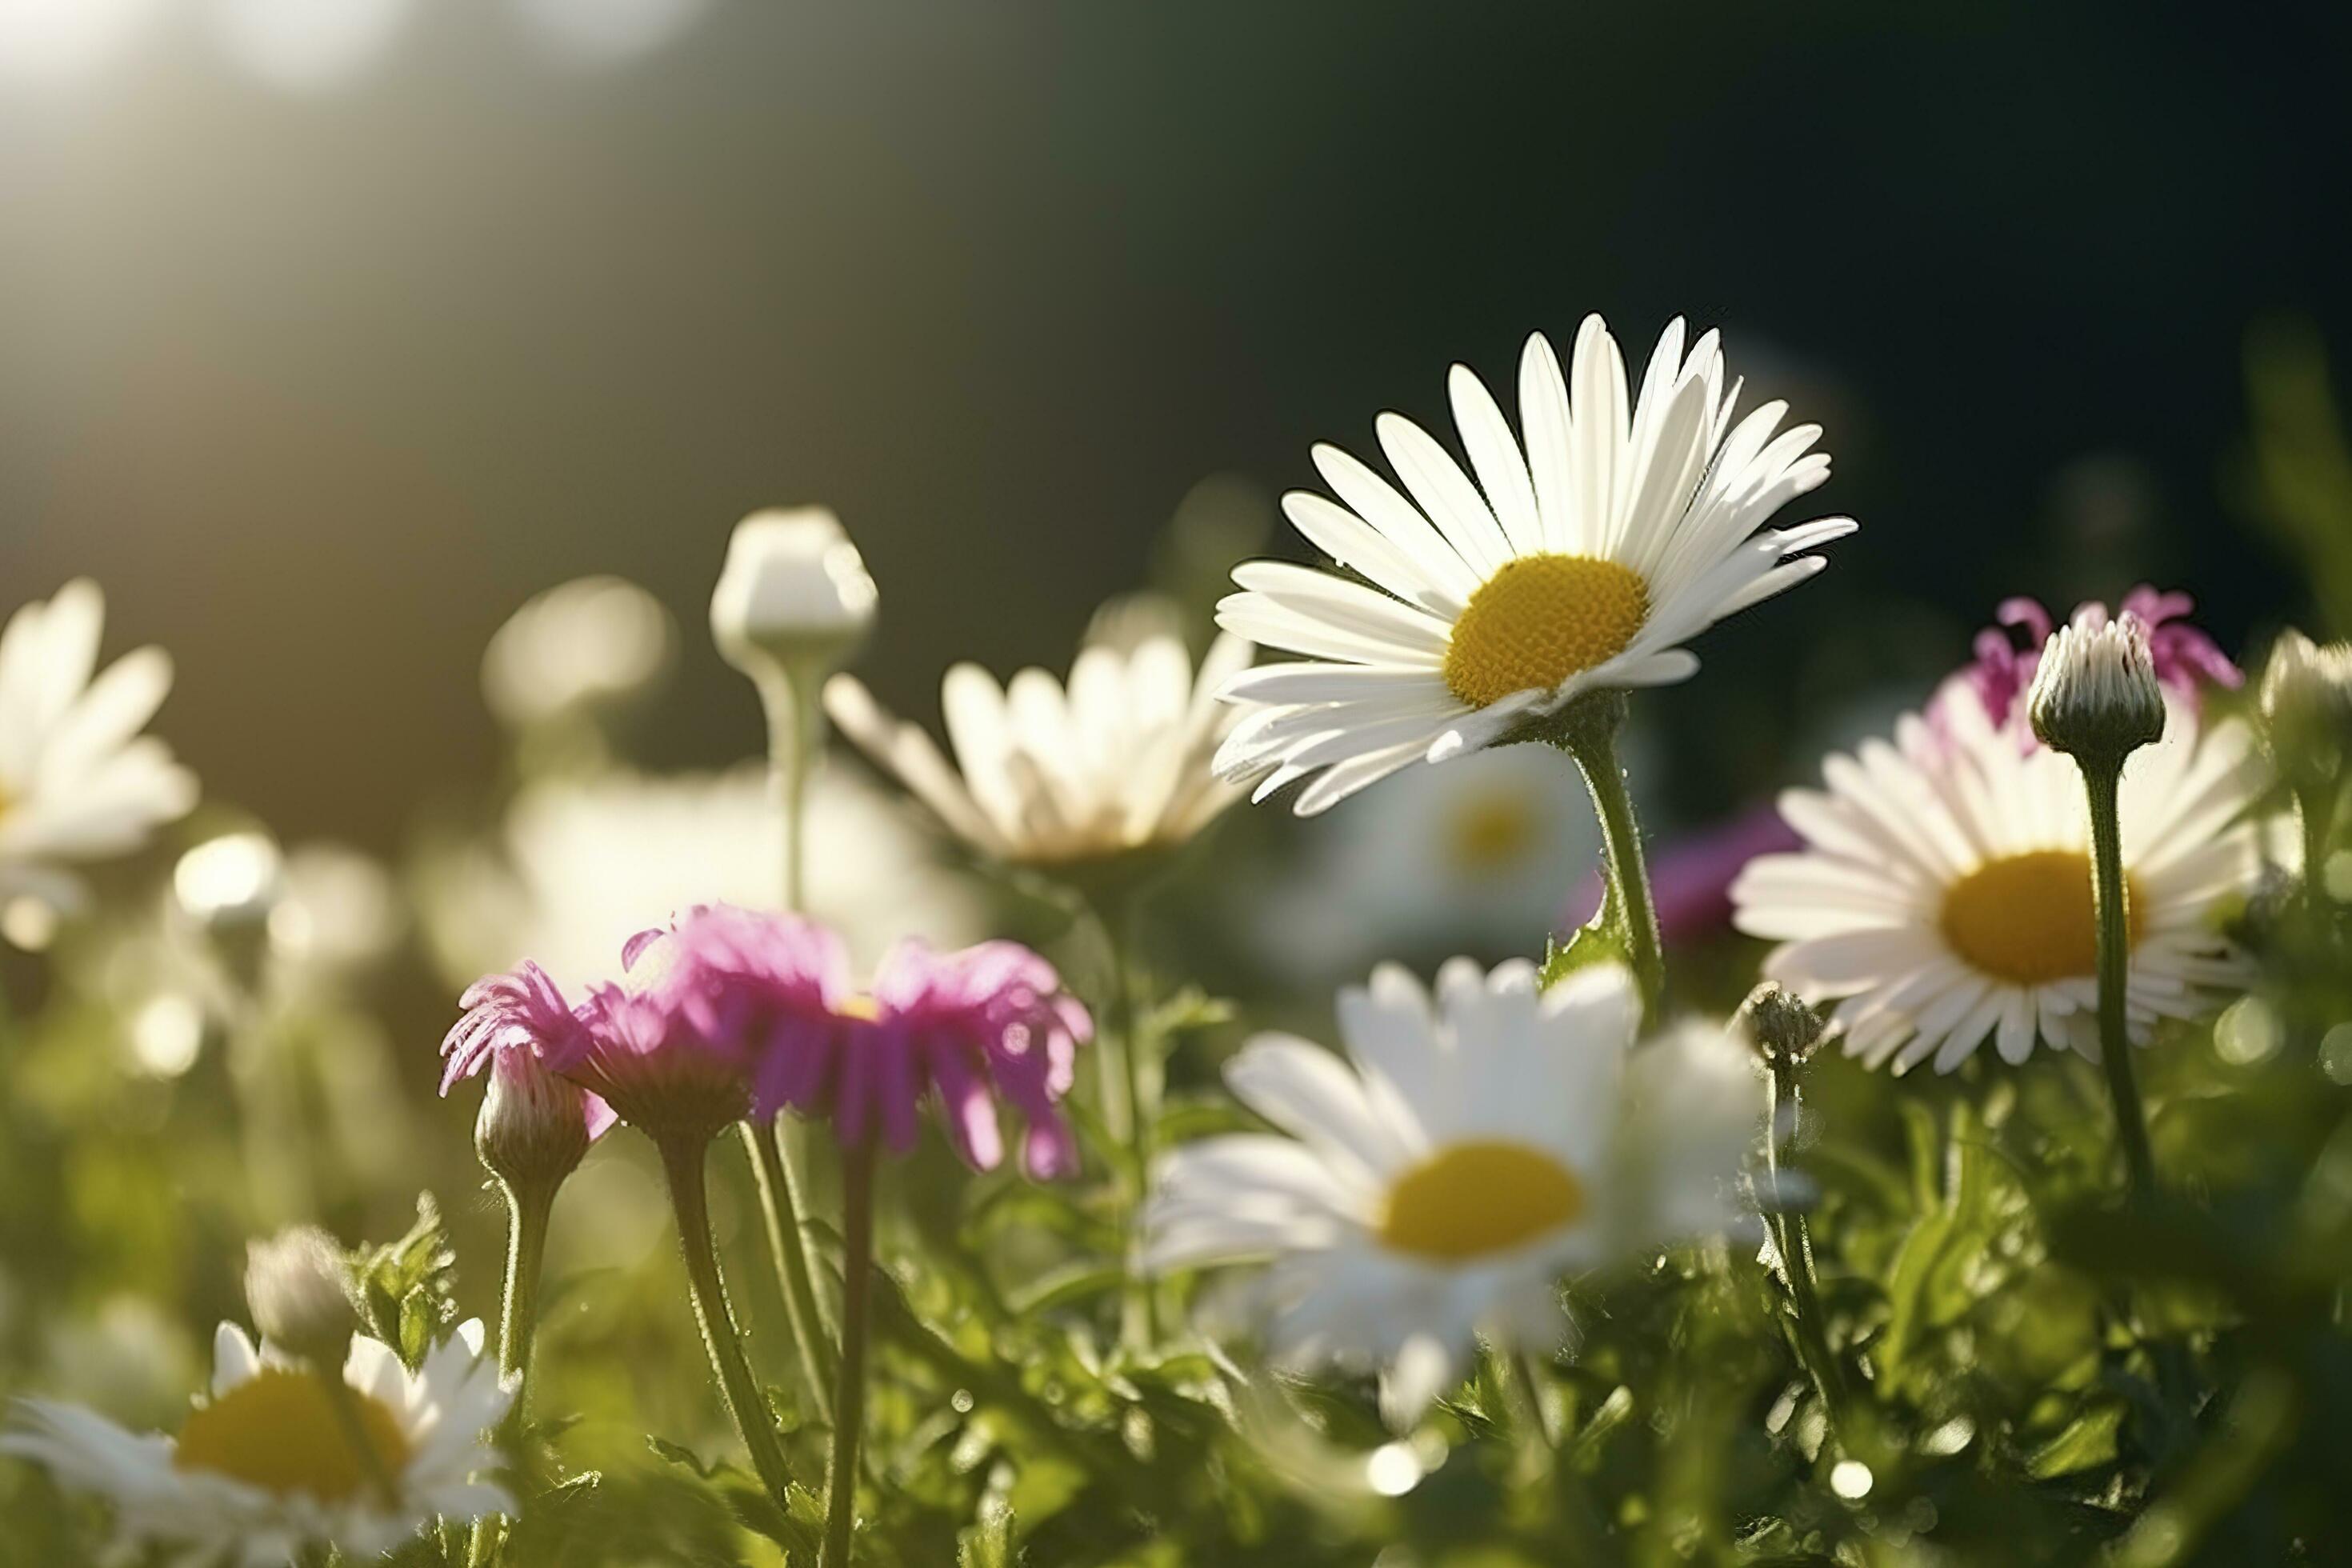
x,y
78,781
1496,595
1116,763
1945,889
262,1471
1437,1183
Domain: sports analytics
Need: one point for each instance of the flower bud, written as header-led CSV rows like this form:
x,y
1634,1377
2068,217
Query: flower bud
x,y
534,1128
793,594
228,885
2094,692
300,1289
1781,1026
2307,703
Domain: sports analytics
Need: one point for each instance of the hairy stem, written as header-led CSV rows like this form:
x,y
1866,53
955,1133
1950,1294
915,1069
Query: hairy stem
x,y
529,1209
2109,896
682,1159
849,1393
780,1210
1587,731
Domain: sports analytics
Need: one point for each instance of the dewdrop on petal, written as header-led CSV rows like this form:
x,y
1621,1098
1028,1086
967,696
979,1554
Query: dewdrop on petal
x,y
300,1289
2095,693
794,593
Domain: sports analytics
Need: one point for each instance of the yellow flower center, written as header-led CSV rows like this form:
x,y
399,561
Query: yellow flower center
x,y
1490,832
1473,1198
1540,620
279,1431
860,1006
2027,919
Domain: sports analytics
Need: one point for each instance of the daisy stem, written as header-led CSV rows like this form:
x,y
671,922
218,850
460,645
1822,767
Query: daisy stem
x,y
780,1208
1792,1237
1588,731
1138,1109
682,1159
849,1393
2108,900
789,700
530,1206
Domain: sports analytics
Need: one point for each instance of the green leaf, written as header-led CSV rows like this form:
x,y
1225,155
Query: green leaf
x,y
1603,939
1066,1287
988,1542
2086,1443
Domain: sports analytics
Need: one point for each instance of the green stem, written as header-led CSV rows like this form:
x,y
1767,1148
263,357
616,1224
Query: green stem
x,y
528,1209
780,1208
2109,896
1792,1237
1587,731
1139,1110
682,1164
849,1392
790,703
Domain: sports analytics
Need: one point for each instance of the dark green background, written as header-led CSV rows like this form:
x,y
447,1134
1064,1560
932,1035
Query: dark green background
x,y
320,388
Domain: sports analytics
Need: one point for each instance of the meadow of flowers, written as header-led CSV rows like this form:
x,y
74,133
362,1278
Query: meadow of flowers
x,y
994,1149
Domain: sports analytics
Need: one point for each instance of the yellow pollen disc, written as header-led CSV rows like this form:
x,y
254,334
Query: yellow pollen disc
x,y
1540,620
2027,919
1490,832
861,1007
279,1431
1471,1199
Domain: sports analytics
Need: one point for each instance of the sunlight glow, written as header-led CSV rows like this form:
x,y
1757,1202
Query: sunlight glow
x,y
307,46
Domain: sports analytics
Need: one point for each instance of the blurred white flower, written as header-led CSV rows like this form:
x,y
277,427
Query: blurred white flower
x,y
306,45
78,781
1470,1150
586,863
1478,856
578,645
261,1473
601,32
232,882
794,591
57,38
340,911
1120,762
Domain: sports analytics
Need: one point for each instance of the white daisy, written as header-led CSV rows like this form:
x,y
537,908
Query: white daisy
x,y
1119,762
262,1471
1945,891
78,781
1469,1151
1581,565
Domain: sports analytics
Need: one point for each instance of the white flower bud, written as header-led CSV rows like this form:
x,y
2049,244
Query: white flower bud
x,y
2307,703
533,1129
300,1289
2094,692
580,645
230,884
794,593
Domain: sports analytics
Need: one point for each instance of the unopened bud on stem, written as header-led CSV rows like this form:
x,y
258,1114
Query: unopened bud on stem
x,y
534,1128
794,596
300,1289
2094,695
1781,1026
2307,703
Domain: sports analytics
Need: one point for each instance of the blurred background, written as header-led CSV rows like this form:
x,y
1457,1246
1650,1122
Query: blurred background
x,y
336,328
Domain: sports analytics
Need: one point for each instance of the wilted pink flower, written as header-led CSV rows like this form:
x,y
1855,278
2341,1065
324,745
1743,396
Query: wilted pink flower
x,y
2185,656
986,1023
515,1019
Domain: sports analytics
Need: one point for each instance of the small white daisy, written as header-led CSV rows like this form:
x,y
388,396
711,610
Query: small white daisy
x,y
78,781
1945,888
262,1471
1116,763
1582,564
1471,1149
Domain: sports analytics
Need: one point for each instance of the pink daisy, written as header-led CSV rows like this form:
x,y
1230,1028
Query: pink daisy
x,y
986,1023
2185,656
519,1025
